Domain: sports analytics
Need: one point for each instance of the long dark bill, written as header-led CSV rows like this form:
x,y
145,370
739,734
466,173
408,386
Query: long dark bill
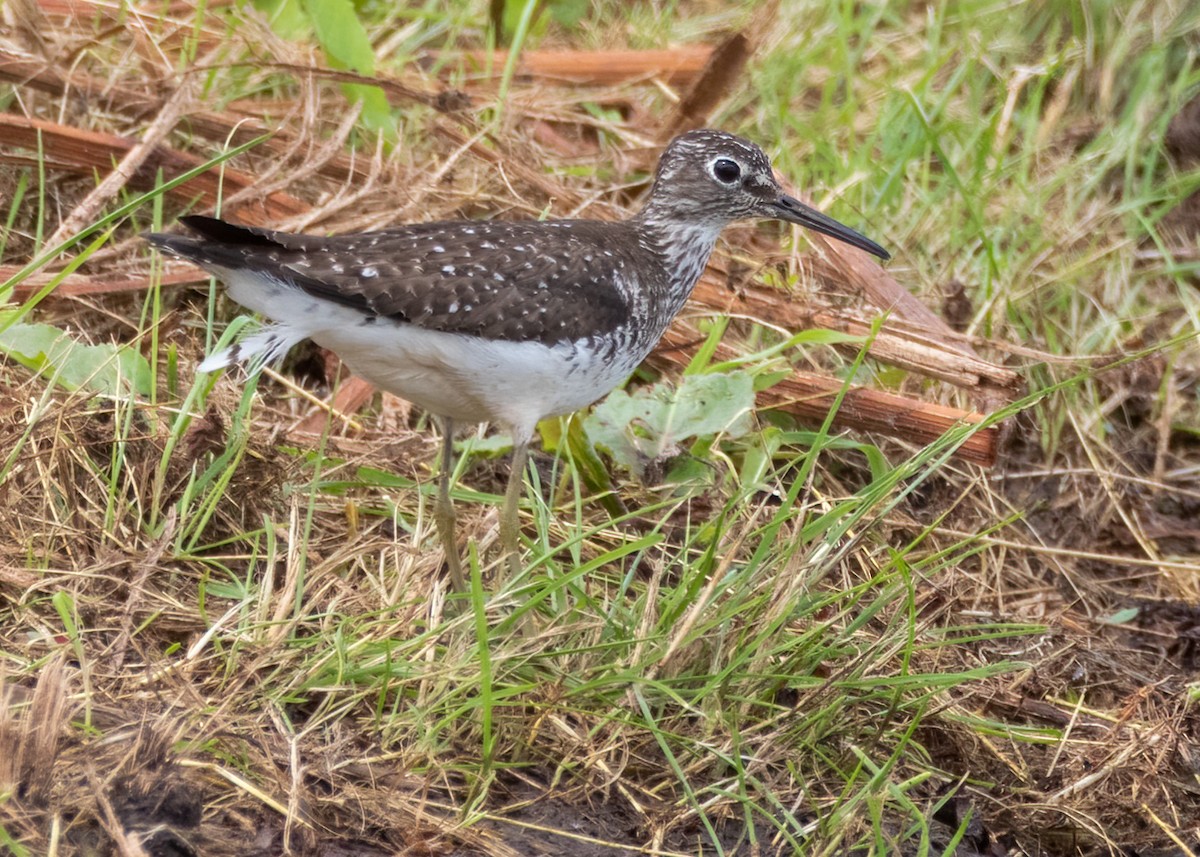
x,y
794,211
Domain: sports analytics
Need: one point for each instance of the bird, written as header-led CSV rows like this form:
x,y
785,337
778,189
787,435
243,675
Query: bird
x,y
504,322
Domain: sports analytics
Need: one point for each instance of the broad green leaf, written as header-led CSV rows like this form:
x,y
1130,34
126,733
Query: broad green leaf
x,y
568,13
651,423
107,369
765,380
488,446
341,33
376,111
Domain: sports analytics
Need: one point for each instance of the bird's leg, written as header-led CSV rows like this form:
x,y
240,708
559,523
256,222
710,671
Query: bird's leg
x,y
510,527
444,511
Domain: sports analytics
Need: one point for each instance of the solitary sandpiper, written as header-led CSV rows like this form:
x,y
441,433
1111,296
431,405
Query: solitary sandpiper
x,y
503,322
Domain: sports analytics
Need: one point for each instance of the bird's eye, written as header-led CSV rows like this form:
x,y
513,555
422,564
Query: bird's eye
x,y
726,171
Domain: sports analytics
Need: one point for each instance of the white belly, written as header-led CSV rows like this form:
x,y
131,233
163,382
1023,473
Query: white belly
x,y
474,380
452,375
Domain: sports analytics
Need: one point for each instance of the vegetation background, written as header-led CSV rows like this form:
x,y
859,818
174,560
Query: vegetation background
x,y
224,626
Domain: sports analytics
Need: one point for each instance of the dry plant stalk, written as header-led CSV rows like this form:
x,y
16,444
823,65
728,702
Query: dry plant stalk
x,y
720,74
907,345
218,128
131,164
676,66
31,727
76,285
811,396
90,151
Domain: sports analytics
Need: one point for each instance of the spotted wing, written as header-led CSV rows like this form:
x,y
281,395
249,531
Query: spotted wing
x,y
518,281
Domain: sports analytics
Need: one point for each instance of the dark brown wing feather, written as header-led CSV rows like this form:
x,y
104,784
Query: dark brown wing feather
x,y
529,281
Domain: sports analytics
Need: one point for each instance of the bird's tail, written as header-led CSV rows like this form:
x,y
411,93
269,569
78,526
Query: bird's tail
x,y
264,346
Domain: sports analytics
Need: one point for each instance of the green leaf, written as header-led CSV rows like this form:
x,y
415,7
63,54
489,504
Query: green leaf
x,y
651,423
568,13
1121,617
342,34
108,369
514,13
488,446
764,380
568,435
688,470
286,17
14,847
704,354
761,447
376,111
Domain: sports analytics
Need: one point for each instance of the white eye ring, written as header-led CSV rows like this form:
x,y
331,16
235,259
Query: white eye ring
x,y
725,170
